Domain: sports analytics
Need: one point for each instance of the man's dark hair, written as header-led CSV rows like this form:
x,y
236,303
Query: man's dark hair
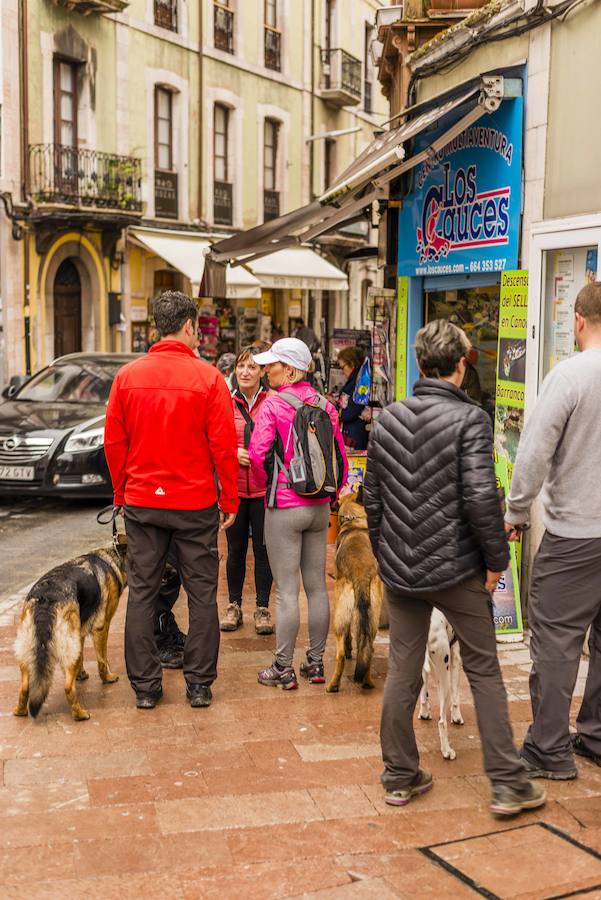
x,y
439,346
171,312
588,303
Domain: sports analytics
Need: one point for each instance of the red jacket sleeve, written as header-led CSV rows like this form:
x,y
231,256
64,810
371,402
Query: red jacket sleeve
x,y
221,435
116,444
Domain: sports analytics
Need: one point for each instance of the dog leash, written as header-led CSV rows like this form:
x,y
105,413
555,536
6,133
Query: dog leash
x,y
111,512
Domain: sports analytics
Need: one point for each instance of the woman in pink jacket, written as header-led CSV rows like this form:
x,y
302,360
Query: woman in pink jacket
x,y
248,400
295,527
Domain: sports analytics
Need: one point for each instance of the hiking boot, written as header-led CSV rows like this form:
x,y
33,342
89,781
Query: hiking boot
x,y
313,672
578,746
508,801
534,770
171,656
148,699
274,676
199,694
232,618
263,623
420,785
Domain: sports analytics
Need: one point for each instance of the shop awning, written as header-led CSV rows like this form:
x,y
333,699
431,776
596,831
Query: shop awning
x,y
298,267
366,180
186,253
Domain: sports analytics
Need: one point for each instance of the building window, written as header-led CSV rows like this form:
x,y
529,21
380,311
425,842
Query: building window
x,y
165,14
165,178
223,25
65,103
271,196
367,72
272,37
329,162
222,186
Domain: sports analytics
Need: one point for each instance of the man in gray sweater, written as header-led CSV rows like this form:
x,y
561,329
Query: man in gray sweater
x,y
560,457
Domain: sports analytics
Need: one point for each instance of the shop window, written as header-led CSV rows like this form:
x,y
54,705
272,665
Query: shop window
x,y
565,272
165,14
222,186
272,36
165,178
271,195
223,25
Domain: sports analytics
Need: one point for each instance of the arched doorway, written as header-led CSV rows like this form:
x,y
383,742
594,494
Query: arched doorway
x,y
67,309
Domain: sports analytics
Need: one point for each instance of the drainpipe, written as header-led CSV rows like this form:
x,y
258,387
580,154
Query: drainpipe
x,y
201,8
312,144
25,187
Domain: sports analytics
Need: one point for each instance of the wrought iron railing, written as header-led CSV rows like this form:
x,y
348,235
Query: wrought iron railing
x,y
223,28
84,177
271,205
341,71
223,206
273,48
165,14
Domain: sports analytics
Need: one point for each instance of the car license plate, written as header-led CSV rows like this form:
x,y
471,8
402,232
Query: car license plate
x,y
16,473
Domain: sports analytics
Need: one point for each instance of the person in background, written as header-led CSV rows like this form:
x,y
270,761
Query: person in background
x,y
169,431
471,380
226,364
436,528
296,527
248,400
353,416
306,334
559,455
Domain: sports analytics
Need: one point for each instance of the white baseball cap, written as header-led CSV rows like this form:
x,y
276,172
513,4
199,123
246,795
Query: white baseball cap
x,y
290,351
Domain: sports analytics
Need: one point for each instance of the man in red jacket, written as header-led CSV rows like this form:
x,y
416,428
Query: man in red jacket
x,y
169,430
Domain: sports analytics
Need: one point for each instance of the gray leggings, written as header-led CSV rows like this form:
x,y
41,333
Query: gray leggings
x,y
296,541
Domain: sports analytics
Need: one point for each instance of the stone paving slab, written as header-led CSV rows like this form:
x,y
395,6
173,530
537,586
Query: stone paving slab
x,y
265,794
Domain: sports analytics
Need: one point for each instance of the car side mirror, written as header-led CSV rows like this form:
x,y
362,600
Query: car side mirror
x,y
16,382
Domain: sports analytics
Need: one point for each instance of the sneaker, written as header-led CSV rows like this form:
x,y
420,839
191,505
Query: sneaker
x,y
171,656
579,747
263,623
232,618
199,694
274,676
313,672
534,770
148,699
421,784
508,801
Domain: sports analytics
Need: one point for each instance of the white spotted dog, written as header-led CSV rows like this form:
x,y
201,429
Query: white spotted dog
x,y
442,657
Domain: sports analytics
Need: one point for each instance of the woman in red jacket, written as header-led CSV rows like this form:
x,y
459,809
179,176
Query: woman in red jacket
x,y
248,400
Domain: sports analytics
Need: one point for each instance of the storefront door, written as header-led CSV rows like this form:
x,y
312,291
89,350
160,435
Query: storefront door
x,y
67,310
476,311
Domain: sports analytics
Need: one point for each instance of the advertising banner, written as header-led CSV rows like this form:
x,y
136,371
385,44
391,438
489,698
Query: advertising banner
x,y
509,422
464,212
401,339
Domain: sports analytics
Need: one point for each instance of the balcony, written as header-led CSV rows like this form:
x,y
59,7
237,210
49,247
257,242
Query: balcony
x,y
223,28
74,177
272,46
340,77
271,205
85,7
223,206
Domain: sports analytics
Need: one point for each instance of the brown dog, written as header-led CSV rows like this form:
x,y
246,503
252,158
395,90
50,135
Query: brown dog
x,y
73,600
357,592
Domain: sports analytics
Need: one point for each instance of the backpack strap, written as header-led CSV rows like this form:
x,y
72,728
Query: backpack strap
x,y
291,399
278,466
249,424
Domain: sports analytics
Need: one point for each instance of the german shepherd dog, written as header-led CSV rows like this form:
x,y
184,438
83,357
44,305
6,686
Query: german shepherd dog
x,y
73,600
357,593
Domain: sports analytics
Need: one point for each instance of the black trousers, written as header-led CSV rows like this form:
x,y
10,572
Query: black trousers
x,y
165,625
251,513
194,536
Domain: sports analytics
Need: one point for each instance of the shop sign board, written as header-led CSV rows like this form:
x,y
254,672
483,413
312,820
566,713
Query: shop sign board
x,y
464,213
509,423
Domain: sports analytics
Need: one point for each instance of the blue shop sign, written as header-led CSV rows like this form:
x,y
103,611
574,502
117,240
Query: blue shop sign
x,y
464,214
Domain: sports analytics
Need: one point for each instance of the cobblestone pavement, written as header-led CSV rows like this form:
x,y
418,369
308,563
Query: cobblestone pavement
x,y
266,794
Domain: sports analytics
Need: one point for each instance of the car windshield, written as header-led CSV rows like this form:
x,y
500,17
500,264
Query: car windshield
x,y
88,382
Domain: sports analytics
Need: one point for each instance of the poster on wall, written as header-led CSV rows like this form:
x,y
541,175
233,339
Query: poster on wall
x,y
509,422
401,338
463,215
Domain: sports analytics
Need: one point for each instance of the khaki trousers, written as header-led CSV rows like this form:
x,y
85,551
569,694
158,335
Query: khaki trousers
x,y
468,608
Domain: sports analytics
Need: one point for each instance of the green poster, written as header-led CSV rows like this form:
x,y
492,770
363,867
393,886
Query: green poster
x,y
509,423
401,338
